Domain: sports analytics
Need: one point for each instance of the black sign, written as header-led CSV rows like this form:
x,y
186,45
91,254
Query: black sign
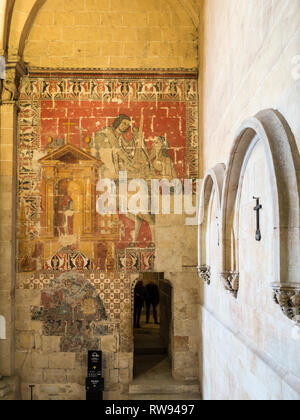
x,y
94,385
94,363
94,381
92,396
94,389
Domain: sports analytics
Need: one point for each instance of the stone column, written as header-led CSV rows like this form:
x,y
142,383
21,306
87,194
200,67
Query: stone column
x,y
8,193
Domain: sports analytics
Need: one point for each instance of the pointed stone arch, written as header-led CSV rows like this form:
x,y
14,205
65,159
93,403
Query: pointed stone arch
x,y
23,16
5,15
283,163
213,183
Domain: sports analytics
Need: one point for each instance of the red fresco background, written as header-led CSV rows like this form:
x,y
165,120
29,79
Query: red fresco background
x,y
166,119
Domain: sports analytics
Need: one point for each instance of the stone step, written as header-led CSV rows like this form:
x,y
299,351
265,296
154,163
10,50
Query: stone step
x,y
164,388
165,397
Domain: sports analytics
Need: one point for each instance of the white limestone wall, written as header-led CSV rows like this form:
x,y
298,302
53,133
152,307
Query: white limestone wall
x,y
249,349
247,66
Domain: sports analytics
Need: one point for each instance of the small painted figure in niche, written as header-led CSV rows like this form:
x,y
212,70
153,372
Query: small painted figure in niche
x,y
64,210
161,160
68,211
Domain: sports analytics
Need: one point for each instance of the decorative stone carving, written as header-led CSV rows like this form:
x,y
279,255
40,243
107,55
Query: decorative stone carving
x,y
289,300
204,273
9,87
231,282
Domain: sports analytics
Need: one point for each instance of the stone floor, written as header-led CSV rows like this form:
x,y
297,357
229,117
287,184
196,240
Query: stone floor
x,y
147,339
153,370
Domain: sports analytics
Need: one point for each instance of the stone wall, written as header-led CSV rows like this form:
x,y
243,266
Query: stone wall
x,y
112,34
249,349
77,268
62,245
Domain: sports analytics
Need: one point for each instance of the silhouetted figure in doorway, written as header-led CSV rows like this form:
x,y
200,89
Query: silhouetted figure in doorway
x,y
152,299
139,301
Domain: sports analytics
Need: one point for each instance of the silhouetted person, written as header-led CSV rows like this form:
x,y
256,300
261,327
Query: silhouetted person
x,y
139,301
152,299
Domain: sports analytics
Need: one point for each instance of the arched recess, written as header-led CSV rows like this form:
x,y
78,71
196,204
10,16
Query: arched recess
x,y
283,163
213,183
22,14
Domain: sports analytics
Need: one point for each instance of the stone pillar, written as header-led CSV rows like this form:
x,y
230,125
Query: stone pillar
x,y
8,193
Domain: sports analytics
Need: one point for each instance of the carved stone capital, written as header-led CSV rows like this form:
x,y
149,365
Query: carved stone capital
x,y
288,298
10,85
231,282
204,273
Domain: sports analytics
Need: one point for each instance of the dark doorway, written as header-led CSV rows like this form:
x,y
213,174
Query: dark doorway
x,y
152,340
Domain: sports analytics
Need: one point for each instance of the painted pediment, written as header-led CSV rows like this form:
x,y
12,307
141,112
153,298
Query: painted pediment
x,y
69,154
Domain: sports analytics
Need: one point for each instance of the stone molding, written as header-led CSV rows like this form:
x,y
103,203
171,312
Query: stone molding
x,y
117,72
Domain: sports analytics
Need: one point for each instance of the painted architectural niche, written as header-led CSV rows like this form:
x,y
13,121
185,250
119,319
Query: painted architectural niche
x,y
75,130
270,127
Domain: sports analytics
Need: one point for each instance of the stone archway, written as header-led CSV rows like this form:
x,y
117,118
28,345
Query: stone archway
x,y
212,184
153,340
270,127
